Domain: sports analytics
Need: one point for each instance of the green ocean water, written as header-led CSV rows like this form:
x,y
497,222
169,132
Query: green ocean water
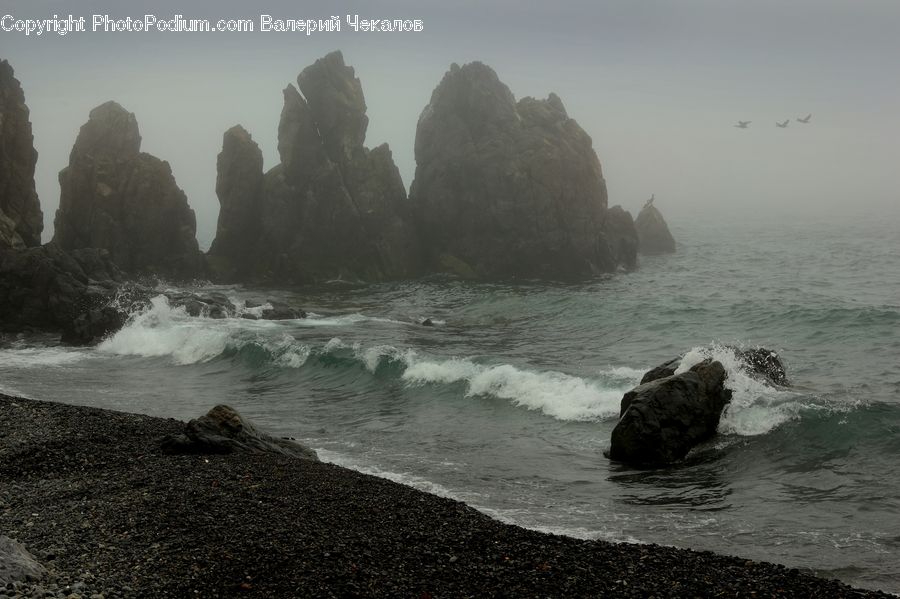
x,y
508,403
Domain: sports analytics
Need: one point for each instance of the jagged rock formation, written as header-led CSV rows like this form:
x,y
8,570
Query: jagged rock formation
x,y
331,209
653,232
21,220
117,198
47,289
510,189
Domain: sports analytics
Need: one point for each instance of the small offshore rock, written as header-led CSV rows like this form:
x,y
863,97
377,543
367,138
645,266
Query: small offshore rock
x,y
653,232
663,419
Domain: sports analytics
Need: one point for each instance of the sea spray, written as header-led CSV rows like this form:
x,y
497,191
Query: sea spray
x,y
756,407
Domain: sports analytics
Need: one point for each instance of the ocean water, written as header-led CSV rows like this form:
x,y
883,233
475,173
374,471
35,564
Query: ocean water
x,y
508,402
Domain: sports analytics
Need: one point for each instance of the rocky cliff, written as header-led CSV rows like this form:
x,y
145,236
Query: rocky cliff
x,y
21,220
653,232
511,189
119,199
331,209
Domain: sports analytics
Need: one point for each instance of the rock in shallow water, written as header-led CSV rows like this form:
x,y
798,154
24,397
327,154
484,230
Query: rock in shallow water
x,y
663,419
48,289
224,430
758,362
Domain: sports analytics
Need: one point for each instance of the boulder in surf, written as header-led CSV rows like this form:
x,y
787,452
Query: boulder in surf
x,y
663,419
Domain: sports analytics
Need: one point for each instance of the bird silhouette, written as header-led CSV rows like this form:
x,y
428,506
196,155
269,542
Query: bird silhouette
x,y
784,124
805,119
743,124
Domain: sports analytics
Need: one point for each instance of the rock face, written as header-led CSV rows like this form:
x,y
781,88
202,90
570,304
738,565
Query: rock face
x,y
653,232
223,430
119,199
21,220
332,208
47,289
663,419
510,189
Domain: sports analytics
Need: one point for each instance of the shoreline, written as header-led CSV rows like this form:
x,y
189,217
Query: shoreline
x,y
92,497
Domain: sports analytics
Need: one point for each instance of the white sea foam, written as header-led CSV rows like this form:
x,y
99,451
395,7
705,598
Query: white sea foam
x,y
344,320
555,394
756,407
163,330
41,357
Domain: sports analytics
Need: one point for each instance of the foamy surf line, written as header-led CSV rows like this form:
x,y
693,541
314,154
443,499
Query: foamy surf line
x,y
42,357
518,517
555,394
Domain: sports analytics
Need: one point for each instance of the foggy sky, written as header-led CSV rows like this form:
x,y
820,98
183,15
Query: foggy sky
x,y
657,84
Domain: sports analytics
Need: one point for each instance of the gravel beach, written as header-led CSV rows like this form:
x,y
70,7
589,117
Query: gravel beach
x,y
92,497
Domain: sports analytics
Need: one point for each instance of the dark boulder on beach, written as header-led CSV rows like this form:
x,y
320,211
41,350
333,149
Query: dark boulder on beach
x,y
653,232
223,430
332,209
48,289
510,189
663,419
17,564
21,219
119,199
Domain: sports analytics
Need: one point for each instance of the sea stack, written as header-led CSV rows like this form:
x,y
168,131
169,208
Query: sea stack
x,y
653,232
115,197
332,209
507,189
21,220
239,186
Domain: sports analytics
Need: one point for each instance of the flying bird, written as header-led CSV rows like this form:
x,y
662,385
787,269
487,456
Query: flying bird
x,y
743,124
784,124
805,119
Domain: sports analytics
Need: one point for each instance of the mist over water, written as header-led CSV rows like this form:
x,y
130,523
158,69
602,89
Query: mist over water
x,y
508,403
